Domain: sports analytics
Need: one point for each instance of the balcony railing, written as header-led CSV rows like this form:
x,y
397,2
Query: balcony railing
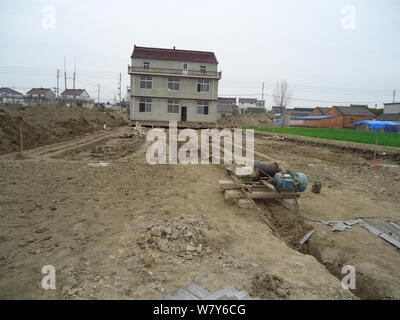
x,y
197,73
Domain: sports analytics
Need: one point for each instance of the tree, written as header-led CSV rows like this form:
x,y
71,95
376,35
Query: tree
x,y
282,95
376,112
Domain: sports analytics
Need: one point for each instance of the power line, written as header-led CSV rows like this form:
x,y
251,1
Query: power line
x,y
228,84
299,99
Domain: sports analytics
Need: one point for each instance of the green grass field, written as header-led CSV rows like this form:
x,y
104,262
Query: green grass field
x,y
383,138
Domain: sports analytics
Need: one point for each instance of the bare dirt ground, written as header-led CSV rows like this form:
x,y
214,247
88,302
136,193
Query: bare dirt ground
x,y
45,124
132,230
352,187
137,231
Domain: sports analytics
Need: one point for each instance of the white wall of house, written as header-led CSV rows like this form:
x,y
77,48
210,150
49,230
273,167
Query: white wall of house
x,y
392,108
11,99
243,107
159,111
160,71
49,96
296,123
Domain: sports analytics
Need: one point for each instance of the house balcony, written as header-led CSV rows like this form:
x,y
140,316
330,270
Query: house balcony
x,y
176,72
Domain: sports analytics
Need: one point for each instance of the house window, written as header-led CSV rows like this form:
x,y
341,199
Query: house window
x,y
351,120
173,83
203,85
146,65
185,68
173,106
203,69
146,82
145,105
202,107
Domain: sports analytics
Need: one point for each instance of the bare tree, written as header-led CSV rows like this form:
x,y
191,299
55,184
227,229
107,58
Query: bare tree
x,y
282,95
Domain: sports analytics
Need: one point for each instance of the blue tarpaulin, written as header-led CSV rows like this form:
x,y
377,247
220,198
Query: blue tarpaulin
x,y
388,126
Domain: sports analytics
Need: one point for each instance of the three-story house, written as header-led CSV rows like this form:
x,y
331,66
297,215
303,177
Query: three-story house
x,y
172,84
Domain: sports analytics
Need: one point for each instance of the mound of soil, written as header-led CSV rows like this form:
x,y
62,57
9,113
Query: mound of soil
x,y
246,120
42,125
184,237
270,286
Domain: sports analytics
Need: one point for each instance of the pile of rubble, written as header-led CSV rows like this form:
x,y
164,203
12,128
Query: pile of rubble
x,y
184,237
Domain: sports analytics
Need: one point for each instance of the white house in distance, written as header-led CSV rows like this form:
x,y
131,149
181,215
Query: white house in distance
x,y
8,95
391,108
77,97
391,112
250,105
173,84
40,95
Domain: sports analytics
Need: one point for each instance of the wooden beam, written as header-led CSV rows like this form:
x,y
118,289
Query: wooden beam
x,y
236,194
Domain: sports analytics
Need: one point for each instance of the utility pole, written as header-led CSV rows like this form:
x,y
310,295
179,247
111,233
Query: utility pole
x,y
119,88
394,95
65,76
58,82
262,93
98,94
74,72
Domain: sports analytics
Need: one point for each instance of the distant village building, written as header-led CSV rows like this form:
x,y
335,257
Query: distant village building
x,y
337,117
77,97
251,105
288,116
391,108
8,95
299,111
278,109
40,96
172,84
391,112
226,107
320,111
395,117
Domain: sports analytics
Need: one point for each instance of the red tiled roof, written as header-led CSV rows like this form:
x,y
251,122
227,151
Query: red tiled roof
x,y
227,100
73,92
355,110
323,109
9,91
39,91
173,55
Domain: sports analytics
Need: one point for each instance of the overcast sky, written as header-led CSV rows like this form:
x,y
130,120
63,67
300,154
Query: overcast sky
x,y
330,52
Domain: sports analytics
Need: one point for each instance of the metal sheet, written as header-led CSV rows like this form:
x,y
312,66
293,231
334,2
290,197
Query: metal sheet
x,y
353,222
385,230
306,237
386,227
370,228
390,239
340,226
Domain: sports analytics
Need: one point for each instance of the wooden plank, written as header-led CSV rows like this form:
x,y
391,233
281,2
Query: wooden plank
x,y
228,184
237,194
268,185
245,203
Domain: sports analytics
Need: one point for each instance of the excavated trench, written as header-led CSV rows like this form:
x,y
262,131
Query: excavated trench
x,y
107,149
291,227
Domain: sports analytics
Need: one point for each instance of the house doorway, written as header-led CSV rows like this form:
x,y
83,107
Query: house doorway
x,y
183,113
